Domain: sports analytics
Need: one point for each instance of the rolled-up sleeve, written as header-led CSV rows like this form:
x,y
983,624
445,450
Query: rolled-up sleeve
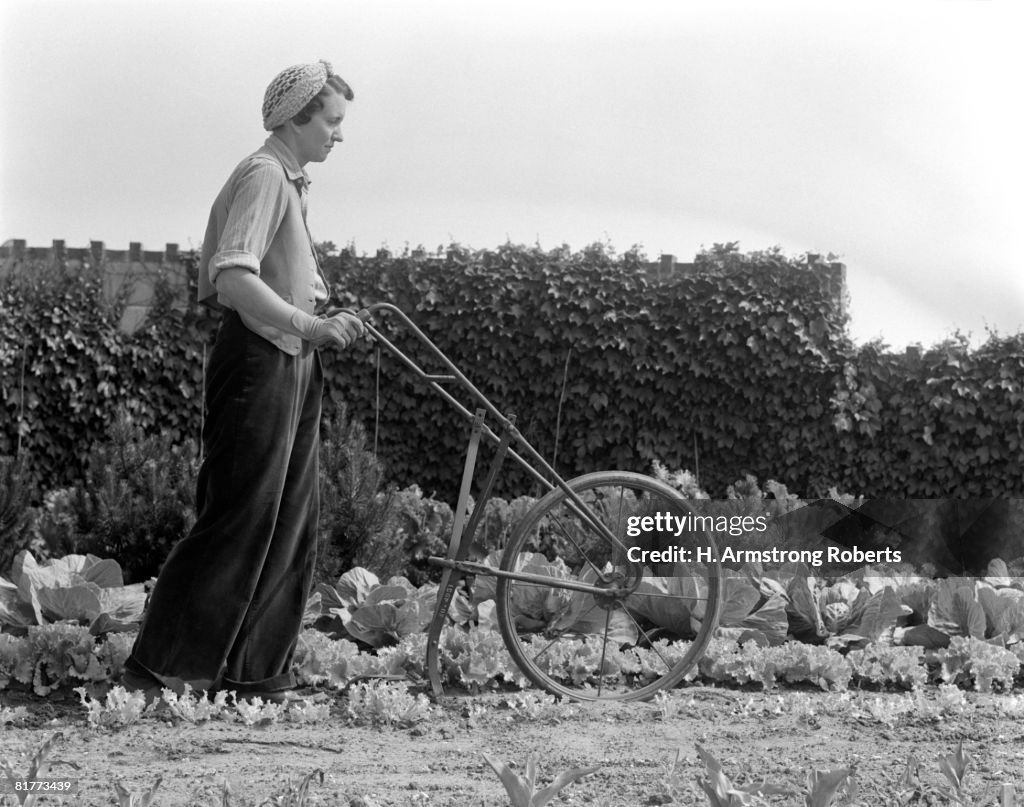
x,y
256,205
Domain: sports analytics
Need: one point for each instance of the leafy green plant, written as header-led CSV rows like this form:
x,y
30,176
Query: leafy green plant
x,y
953,767
14,509
378,703
257,712
841,613
354,501
13,715
136,499
889,666
119,709
131,798
668,705
51,656
672,786
308,711
17,659
793,662
367,523
913,707
477,658
824,786
985,665
683,480
683,610
82,589
500,518
335,662
522,790
420,525
752,609
296,794
721,791
533,707
968,607
193,707
375,613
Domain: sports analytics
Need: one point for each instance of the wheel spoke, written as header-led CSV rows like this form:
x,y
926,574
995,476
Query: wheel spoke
x,y
559,523
604,651
553,639
651,645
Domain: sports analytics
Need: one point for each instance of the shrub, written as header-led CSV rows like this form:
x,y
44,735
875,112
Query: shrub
x,y
354,504
136,500
364,522
14,510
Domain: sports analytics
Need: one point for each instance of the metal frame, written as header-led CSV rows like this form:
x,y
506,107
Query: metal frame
x,y
504,435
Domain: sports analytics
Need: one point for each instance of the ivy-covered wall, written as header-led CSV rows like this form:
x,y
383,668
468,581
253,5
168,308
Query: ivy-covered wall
x,y
738,365
946,421
67,365
727,368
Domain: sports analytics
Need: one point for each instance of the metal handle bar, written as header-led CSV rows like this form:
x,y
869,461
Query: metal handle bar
x,y
454,374
549,482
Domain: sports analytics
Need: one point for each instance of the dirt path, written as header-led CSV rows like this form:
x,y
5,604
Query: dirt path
x,y
776,736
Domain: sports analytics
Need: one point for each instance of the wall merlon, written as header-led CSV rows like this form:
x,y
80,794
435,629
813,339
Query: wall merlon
x,y
136,270
132,272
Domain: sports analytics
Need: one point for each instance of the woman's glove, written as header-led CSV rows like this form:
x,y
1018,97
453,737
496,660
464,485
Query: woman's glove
x,y
341,329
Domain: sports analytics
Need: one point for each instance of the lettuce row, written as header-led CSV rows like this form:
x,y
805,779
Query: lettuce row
x,y
475,658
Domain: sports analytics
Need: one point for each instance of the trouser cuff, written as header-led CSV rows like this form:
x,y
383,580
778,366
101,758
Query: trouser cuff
x,y
276,683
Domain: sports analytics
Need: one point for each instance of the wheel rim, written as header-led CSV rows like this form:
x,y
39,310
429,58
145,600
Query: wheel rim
x,y
650,622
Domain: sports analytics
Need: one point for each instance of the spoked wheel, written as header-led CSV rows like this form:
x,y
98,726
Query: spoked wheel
x,y
649,619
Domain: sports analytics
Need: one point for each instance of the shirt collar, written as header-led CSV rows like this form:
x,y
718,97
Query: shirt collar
x,y
295,173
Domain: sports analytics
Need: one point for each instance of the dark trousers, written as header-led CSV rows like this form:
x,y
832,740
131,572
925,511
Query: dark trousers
x,y
228,604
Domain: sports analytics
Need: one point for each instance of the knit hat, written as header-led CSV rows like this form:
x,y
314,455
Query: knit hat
x,y
291,90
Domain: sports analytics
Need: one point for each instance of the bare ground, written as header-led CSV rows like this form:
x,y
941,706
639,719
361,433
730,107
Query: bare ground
x,y
777,736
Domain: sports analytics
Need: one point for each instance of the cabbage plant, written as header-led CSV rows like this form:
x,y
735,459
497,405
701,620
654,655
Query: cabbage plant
x,y
841,613
374,613
83,589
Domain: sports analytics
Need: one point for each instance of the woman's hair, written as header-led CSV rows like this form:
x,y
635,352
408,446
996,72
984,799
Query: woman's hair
x,y
334,84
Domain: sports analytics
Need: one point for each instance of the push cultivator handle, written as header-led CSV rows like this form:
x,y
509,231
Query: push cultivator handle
x,y
524,454
586,531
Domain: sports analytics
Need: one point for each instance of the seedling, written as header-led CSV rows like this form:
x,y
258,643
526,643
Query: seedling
x,y
670,706
380,703
194,708
522,790
531,706
120,708
38,768
954,768
823,786
19,714
308,711
256,712
295,795
128,798
672,785
721,792
910,788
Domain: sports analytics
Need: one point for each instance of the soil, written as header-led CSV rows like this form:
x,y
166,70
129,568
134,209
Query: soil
x,y
779,736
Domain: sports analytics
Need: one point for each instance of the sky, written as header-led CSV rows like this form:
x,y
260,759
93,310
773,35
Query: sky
x,y
887,133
